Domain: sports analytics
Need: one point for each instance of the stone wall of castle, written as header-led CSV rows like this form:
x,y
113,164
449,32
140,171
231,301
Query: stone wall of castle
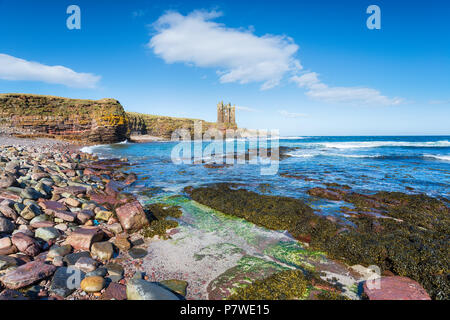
x,y
226,114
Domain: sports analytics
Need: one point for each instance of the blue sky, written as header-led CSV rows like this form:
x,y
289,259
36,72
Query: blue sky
x,y
303,67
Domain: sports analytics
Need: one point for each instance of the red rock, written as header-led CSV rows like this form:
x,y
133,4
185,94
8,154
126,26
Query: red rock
x,y
115,291
73,190
83,237
395,288
66,215
42,224
89,172
5,195
132,216
8,212
106,200
26,244
84,215
27,274
50,206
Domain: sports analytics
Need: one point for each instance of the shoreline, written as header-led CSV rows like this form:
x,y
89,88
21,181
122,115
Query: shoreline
x,y
61,208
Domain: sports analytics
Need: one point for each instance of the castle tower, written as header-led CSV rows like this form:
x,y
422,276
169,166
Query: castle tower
x,y
233,115
220,108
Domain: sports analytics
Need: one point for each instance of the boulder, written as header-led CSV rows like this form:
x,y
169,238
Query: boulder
x,y
102,250
92,284
394,288
83,237
47,233
26,244
115,291
132,216
27,274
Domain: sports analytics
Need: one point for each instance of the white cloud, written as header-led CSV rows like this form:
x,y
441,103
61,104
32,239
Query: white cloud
x,y
288,114
237,55
354,95
12,68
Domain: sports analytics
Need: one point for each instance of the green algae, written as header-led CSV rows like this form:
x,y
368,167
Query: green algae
x,y
284,285
160,224
218,251
291,253
247,270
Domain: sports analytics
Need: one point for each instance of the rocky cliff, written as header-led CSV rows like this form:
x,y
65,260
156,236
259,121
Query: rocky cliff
x,y
161,126
87,121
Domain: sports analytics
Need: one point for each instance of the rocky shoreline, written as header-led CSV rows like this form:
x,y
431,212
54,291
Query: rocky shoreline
x,y
69,231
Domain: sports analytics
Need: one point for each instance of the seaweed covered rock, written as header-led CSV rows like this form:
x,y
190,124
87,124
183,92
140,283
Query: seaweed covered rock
x,y
285,285
159,224
410,239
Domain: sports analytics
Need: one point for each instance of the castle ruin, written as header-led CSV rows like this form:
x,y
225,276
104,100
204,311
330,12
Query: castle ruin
x,y
226,114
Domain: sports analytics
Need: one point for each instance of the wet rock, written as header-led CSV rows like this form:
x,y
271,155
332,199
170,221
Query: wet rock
x,y
102,250
6,225
83,237
93,284
132,216
47,233
131,178
138,289
394,288
27,274
26,244
326,194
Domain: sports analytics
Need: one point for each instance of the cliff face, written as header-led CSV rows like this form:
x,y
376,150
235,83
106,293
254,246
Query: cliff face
x,y
92,121
160,126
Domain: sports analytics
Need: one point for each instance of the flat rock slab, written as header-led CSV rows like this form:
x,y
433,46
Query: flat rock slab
x,y
27,274
395,288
